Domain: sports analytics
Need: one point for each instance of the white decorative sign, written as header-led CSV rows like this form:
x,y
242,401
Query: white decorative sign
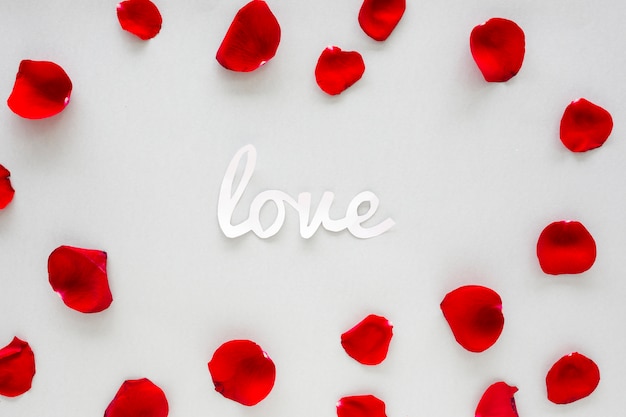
x,y
228,200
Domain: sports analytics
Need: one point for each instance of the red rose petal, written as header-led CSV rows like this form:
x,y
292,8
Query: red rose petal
x,y
138,397
42,89
6,190
17,368
251,40
360,406
242,371
474,314
585,126
140,17
378,18
566,247
337,70
79,276
497,401
368,341
498,47
571,378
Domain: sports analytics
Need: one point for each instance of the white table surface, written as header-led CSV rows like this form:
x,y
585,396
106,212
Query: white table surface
x,y
470,172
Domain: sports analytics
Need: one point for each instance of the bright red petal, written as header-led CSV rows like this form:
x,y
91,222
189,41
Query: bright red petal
x,y
497,401
138,398
140,17
42,89
242,371
571,378
17,368
79,276
360,406
6,190
474,314
252,38
498,47
566,247
585,126
378,18
337,70
368,341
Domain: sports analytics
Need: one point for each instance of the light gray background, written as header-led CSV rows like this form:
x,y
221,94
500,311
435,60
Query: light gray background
x,y
471,172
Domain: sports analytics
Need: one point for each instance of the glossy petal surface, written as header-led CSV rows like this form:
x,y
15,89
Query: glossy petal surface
x,y
566,247
138,398
140,17
242,371
585,126
474,314
42,89
6,189
79,276
360,406
17,368
337,70
251,40
497,401
571,378
378,18
368,341
498,47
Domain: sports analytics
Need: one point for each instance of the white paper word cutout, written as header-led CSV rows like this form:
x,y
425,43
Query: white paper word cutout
x,y
228,201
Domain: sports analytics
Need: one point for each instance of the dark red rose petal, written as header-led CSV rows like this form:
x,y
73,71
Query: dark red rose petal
x,y
251,40
6,190
79,276
378,18
498,47
474,314
337,70
360,406
138,397
566,247
585,126
140,17
368,341
17,368
571,378
42,89
497,401
242,371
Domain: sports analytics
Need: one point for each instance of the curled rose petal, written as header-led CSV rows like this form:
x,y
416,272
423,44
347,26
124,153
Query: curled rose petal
x,y
251,40
17,368
140,17
585,126
571,378
6,189
378,18
361,406
242,371
79,276
368,341
566,247
498,47
337,70
497,401
138,397
474,314
42,89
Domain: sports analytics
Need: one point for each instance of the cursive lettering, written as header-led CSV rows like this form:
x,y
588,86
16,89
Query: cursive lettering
x,y
229,197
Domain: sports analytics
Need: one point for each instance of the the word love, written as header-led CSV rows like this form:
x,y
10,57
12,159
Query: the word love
x,y
230,194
